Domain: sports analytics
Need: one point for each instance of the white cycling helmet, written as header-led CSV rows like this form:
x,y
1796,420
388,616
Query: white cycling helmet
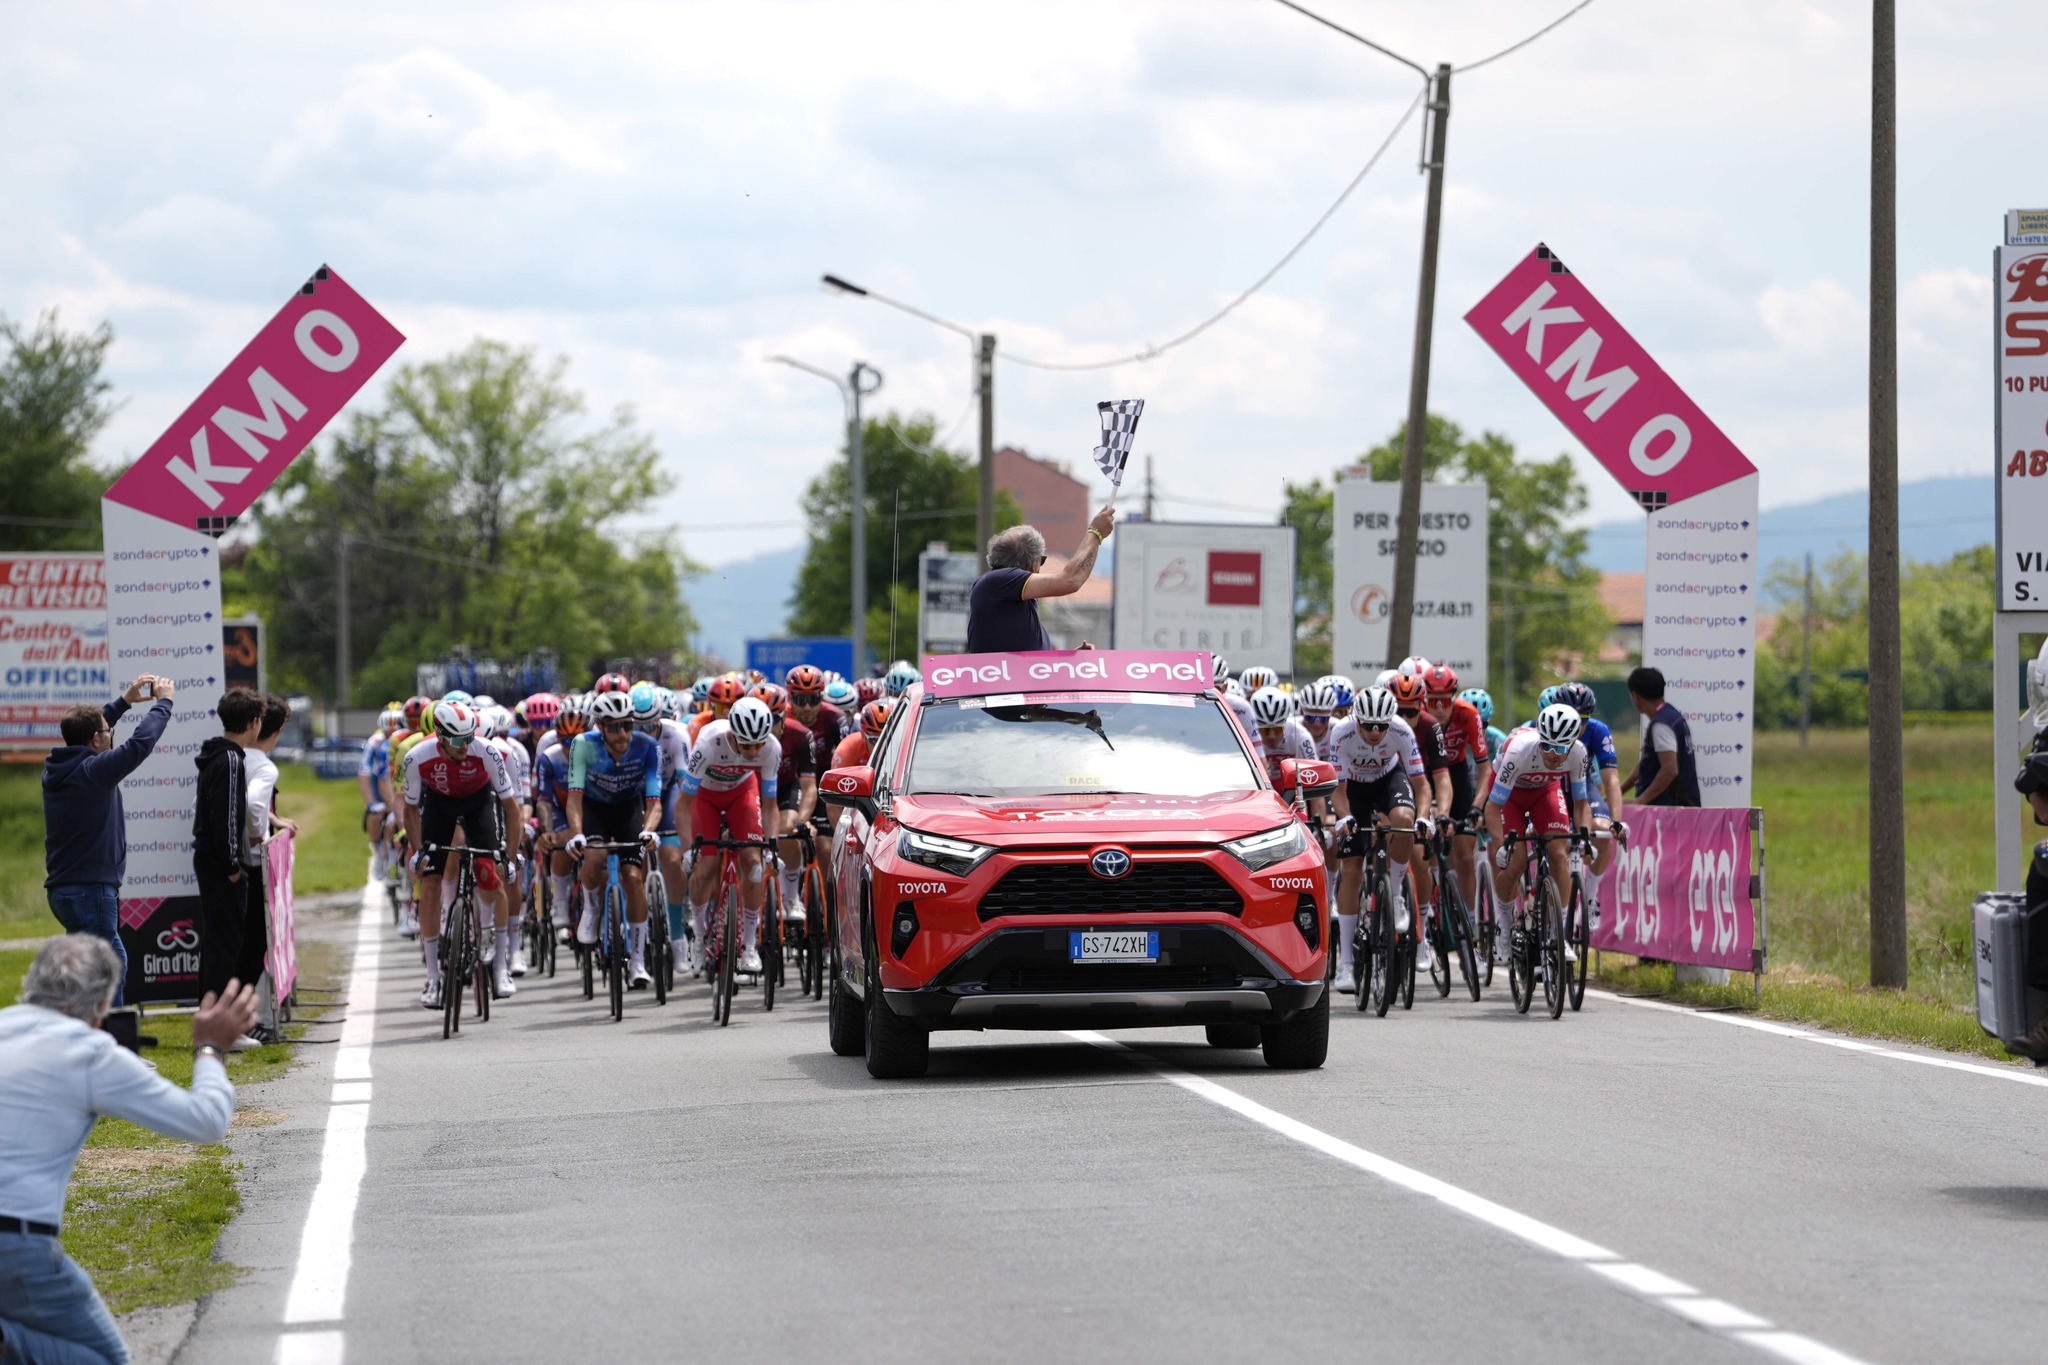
x,y
1219,667
1232,688
1559,724
1258,676
1386,677
390,720
1271,707
483,701
841,694
1374,706
610,706
1317,699
750,721
1414,666
454,720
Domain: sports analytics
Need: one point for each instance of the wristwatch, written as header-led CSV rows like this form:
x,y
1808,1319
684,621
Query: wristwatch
x,y
208,1049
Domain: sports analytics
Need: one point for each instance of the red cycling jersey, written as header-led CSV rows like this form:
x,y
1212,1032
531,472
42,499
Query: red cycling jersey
x,y
427,768
1464,733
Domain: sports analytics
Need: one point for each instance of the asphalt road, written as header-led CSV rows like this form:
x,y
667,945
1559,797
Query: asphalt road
x,y
1458,1182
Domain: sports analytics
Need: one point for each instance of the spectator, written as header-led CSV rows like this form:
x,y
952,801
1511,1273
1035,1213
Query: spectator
x,y
1665,774
220,836
1002,608
85,830
58,1074
263,820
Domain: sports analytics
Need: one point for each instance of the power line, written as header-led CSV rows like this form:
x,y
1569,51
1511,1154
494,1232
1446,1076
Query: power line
x,y
1516,47
1383,50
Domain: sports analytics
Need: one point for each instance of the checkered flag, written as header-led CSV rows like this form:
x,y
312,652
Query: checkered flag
x,y
1119,428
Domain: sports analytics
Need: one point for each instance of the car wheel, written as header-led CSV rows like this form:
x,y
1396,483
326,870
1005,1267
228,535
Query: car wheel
x,y
1233,1035
898,1049
1303,1042
843,1022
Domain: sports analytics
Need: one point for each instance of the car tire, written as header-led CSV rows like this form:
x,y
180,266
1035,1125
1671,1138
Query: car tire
x,y
1303,1042
1233,1035
843,1022
898,1049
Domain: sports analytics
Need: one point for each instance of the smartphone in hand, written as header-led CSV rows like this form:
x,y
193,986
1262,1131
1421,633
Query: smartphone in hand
x,y
147,690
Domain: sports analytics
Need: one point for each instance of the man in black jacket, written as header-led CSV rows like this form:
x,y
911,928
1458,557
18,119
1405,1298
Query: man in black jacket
x,y
218,832
85,830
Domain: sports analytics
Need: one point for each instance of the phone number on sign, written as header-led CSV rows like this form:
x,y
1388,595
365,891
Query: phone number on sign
x,y
1444,609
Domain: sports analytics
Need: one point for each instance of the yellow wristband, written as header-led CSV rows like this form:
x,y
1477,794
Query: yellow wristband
x,y
1097,534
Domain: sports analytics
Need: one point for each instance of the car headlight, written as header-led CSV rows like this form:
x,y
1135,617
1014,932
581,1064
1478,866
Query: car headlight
x,y
1273,846
956,856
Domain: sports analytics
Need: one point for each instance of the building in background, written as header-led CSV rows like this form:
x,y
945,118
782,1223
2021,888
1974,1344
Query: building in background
x,y
1622,595
1052,499
1082,615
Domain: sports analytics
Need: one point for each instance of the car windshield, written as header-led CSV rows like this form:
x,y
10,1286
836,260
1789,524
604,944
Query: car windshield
x,y
1076,745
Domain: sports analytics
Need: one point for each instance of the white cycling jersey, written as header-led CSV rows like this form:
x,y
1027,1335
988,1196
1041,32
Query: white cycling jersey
x,y
1296,743
674,740
1522,762
1360,759
717,765
519,766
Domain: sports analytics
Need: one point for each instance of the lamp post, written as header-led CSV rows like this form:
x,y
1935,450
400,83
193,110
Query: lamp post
x,y
984,392
861,380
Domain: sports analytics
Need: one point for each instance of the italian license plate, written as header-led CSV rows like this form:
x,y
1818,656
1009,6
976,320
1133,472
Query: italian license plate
x,y
1123,945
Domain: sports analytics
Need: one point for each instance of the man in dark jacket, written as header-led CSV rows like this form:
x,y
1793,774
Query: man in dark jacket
x,y
1665,774
219,828
85,830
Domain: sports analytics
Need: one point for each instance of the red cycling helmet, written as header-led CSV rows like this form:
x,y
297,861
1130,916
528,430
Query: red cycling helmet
x,y
541,709
867,690
613,682
726,691
805,678
415,707
774,694
1440,680
874,716
1407,690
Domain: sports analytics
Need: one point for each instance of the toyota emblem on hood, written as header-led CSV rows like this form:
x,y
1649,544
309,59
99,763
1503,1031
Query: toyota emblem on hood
x,y
1109,862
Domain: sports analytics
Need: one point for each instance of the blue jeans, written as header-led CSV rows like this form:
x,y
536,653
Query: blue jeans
x,y
49,1312
88,908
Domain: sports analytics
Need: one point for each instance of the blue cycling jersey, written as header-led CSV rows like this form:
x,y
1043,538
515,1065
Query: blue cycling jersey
x,y
551,775
600,777
1599,742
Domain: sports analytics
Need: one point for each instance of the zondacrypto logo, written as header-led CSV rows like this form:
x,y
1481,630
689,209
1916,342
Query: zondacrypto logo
x,y
1691,622
169,556
1701,589
1702,556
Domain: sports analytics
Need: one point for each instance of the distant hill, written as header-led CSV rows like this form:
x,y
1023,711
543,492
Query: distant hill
x,y
1938,519
747,599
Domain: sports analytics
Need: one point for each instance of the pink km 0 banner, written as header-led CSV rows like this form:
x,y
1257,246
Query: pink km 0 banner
x,y
1116,670
1550,330
1681,890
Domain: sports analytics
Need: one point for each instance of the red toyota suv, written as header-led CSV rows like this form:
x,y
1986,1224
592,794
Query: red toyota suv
x,y
1069,841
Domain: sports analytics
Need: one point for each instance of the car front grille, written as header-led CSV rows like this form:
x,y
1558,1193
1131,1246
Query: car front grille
x,y
1151,888
1042,977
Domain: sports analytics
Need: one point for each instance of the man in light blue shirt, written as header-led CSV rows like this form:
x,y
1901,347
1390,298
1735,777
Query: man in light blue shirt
x,y
58,1073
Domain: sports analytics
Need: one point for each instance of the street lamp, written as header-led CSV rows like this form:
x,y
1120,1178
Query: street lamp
x,y
984,390
862,380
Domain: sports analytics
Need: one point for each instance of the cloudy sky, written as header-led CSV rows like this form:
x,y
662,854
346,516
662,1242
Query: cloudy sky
x,y
653,190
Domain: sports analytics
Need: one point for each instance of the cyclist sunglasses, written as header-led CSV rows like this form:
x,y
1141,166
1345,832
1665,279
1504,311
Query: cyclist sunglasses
x,y
806,698
613,727
1372,726
1559,749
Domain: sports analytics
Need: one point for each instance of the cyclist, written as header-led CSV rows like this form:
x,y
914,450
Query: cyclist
x,y
494,727
1529,796
452,782
1464,735
551,804
900,678
813,710
1383,783
612,682
796,790
840,695
1482,702
650,717
724,692
373,777
1410,706
1604,797
1319,712
1256,677
855,750
1280,735
733,769
538,714
615,793
867,691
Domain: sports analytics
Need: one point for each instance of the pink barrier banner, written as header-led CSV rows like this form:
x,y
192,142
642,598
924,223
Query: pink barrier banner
x,y
1680,891
262,410
280,856
1601,383
1066,670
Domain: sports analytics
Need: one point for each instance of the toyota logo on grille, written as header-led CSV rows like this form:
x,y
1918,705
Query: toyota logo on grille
x,y
1109,862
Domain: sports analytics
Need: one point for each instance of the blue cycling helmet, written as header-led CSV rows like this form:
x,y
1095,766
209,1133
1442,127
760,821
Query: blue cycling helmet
x,y
1481,701
900,679
700,690
1548,697
458,695
1579,697
1344,688
841,694
645,699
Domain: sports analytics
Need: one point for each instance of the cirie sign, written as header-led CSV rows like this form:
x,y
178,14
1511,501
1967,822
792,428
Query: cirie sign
x,y
1123,670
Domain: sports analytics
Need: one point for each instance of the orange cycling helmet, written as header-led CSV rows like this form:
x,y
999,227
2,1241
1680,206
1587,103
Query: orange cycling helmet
x,y
1407,690
805,678
773,695
874,716
725,691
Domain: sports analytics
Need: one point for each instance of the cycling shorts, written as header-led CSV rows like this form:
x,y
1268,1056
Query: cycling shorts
x,y
1382,796
1600,807
615,822
1464,789
1537,810
477,814
739,810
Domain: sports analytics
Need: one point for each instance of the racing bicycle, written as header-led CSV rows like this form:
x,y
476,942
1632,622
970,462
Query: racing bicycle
x,y
723,930
1383,948
1450,926
1539,936
465,928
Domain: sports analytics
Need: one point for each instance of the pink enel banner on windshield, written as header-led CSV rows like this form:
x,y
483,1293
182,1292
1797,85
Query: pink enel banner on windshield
x,y
1603,385
1067,670
1680,890
230,445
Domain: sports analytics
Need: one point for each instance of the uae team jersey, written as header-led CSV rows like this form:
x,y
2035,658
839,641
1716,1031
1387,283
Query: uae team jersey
x,y
428,769
1522,762
601,776
717,765
1298,743
1360,759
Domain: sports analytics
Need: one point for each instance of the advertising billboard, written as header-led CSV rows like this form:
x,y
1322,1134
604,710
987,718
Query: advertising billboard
x,y
2021,473
53,643
1452,554
944,582
1224,587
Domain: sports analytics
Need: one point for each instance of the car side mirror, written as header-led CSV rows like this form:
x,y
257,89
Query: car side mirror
x,y
853,788
1312,777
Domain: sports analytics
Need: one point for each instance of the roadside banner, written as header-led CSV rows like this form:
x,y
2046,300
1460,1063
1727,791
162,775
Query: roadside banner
x,y
2021,286
280,858
1686,889
1221,586
832,653
53,643
163,594
1699,490
1451,561
945,581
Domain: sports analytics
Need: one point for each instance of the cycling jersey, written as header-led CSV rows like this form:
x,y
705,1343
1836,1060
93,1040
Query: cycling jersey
x,y
699,721
1524,763
376,757
1463,734
1599,742
551,783
401,745
519,764
832,722
717,765
1496,739
674,742
1297,743
1429,742
601,777
428,770
796,743
1360,759
852,751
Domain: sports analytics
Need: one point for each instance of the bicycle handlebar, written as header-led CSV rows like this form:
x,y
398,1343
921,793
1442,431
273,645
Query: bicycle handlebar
x,y
701,841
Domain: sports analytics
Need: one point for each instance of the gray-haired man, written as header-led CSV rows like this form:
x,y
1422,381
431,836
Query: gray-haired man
x,y
1002,610
58,1074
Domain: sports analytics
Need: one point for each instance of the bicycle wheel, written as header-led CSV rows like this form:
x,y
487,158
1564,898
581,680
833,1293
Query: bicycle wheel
x,y
1576,935
1521,963
1361,957
728,957
615,948
1488,925
453,970
816,922
1440,947
480,970
544,963
1554,986
1459,920
771,940
660,954
1385,953
1404,969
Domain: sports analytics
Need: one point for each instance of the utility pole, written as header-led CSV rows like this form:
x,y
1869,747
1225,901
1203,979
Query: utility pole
x,y
857,386
1148,488
985,388
1887,715
341,640
1410,522
1806,653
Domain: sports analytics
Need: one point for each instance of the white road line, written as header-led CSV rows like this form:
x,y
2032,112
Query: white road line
x,y
1667,1293
1999,1073
320,1281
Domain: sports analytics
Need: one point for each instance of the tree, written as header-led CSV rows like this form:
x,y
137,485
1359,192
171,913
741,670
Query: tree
x,y
477,508
52,404
917,492
1543,591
